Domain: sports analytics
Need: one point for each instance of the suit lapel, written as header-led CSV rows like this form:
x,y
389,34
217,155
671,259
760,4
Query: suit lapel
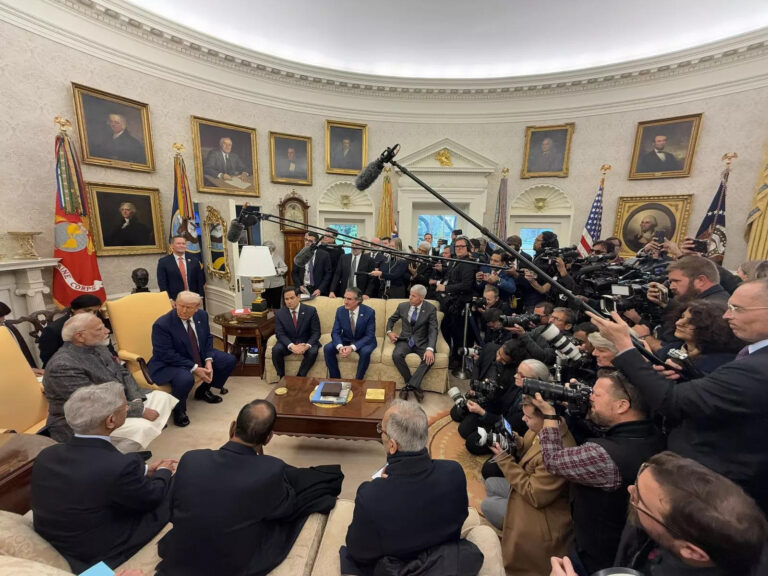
x,y
182,332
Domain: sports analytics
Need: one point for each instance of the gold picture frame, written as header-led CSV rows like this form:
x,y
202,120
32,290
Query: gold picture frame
x,y
547,150
346,147
677,138
640,219
114,131
216,245
235,172
118,229
290,159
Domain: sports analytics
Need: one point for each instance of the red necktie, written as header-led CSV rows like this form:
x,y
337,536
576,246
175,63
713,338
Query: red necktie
x,y
193,341
183,270
295,322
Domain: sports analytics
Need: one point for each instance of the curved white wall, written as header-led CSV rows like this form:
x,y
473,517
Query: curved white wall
x,y
58,44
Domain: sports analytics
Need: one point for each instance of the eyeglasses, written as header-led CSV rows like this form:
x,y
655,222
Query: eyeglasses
x,y
460,246
736,309
380,429
635,500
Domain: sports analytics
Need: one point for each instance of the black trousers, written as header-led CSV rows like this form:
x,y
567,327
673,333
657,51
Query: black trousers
x,y
279,352
398,358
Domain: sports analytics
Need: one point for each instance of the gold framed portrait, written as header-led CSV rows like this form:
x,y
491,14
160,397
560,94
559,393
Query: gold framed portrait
x,y
225,158
114,131
125,219
290,159
546,152
642,219
346,147
665,148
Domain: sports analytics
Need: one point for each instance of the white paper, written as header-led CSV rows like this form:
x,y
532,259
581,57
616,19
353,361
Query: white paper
x,y
237,183
378,472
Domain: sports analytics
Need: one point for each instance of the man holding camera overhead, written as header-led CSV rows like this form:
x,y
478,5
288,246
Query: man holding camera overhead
x,y
601,469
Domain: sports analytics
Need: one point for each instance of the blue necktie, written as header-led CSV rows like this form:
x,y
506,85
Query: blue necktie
x,y
414,314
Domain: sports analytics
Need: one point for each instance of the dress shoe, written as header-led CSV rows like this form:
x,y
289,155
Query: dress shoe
x,y
404,394
419,394
223,391
180,419
208,396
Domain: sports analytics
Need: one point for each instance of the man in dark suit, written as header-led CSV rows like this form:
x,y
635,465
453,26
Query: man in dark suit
x,y
183,352
50,338
289,166
230,506
417,506
354,330
345,276
418,335
120,144
347,155
90,501
658,160
129,231
297,327
180,271
720,419
314,278
223,163
334,251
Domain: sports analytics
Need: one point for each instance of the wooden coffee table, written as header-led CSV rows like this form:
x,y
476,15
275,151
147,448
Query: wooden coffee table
x,y
297,416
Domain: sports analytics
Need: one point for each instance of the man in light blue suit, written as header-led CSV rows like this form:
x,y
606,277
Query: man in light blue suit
x,y
354,330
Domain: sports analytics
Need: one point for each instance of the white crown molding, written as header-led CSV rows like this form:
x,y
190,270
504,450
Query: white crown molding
x,y
115,31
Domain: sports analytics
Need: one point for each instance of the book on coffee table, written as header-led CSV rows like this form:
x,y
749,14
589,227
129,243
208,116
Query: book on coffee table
x,y
320,396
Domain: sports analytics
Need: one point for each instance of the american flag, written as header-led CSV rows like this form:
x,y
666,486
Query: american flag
x,y
594,226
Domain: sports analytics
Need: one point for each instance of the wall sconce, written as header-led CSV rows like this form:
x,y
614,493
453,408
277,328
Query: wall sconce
x,y
540,204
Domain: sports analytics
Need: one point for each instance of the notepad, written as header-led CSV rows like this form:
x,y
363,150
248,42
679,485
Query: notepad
x,y
99,569
375,395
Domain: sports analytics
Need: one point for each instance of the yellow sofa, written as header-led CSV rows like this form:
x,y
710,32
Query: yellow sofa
x,y
382,367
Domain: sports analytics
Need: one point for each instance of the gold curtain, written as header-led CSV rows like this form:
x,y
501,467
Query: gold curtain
x,y
757,220
386,224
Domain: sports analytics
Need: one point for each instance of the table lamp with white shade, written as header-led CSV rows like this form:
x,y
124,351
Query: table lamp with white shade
x,y
256,263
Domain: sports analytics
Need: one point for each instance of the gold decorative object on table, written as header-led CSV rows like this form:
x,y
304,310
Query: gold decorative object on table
x,y
444,157
375,395
25,245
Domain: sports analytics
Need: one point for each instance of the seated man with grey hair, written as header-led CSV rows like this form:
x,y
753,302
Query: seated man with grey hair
x,y
413,513
91,502
418,335
84,359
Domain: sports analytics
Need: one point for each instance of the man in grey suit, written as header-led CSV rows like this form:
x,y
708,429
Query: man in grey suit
x,y
418,336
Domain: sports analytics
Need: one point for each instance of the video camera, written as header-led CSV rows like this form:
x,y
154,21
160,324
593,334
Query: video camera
x,y
577,396
484,391
569,254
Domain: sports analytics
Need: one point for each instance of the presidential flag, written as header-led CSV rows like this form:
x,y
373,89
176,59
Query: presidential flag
x,y
184,220
712,227
77,272
594,226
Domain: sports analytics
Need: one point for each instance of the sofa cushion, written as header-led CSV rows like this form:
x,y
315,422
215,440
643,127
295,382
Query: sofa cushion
x,y
22,567
302,556
413,360
147,558
18,538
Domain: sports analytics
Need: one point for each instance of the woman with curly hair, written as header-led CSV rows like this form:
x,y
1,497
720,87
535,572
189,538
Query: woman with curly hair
x,y
707,338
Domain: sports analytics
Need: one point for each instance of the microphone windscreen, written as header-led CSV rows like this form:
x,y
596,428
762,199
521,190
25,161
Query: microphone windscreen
x,y
303,257
369,175
235,231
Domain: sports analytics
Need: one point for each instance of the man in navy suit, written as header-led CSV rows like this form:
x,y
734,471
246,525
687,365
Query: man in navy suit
x,y
182,351
354,330
223,163
314,278
297,327
180,271
90,501
345,276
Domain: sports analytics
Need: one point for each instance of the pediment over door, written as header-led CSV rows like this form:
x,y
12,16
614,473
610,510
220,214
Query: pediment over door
x,y
462,159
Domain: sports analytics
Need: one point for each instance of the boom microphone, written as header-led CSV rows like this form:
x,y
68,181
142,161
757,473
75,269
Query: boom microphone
x,y
305,254
236,229
371,172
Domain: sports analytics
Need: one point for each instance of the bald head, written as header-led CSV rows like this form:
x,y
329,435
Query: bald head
x,y
748,311
255,422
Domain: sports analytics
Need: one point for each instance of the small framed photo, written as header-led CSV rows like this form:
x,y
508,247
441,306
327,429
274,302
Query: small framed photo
x,y
346,147
547,149
225,158
114,131
125,219
642,219
290,159
665,148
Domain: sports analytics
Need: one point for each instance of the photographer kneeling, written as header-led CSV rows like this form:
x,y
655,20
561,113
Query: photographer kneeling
x,y
601,469
492,393
529,501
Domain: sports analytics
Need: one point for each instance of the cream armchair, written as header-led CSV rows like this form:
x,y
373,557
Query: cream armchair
x,y
24,407
382,367
132,318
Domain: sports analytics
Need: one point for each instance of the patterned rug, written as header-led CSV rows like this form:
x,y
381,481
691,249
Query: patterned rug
x,y
445,443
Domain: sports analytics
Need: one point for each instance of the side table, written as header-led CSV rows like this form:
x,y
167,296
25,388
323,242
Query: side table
x,y
17,456
247,330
